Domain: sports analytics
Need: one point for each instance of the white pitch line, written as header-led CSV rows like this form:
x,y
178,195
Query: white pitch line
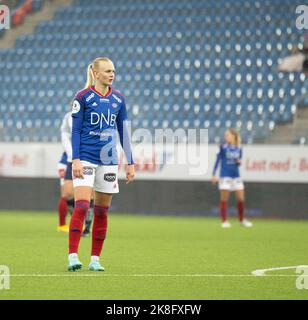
x,y
261,272
258,272
143,275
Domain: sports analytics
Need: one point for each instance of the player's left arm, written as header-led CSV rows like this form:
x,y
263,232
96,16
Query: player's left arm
x,y
122,126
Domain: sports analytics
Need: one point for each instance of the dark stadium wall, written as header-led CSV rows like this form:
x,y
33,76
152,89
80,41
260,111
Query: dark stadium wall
x,y
266,200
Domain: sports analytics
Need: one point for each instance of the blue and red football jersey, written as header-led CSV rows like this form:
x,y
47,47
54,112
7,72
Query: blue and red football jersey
x,y
97,120
228,157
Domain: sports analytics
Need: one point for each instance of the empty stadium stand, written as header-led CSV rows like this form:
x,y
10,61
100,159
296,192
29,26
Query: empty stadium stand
x,y
179,63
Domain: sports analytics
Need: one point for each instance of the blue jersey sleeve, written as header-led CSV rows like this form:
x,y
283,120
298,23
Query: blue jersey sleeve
x,y
122,122
218,159
77,115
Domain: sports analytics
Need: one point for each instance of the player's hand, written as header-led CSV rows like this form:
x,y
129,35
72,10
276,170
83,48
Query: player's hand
x,y
77,168
214,180
239,162
130,173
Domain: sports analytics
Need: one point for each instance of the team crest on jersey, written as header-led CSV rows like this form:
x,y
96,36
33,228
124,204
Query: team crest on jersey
x,y
75,107
114,105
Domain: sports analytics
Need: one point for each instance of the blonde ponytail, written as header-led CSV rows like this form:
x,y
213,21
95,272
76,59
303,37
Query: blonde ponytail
x,y
238,139
90,77
237,136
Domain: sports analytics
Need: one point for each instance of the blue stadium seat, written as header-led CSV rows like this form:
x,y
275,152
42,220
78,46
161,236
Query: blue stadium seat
x,y
180,64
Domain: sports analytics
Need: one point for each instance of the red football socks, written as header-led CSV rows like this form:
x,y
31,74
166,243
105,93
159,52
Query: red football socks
x,y
223,210
62,210
240,208
76,224
99,229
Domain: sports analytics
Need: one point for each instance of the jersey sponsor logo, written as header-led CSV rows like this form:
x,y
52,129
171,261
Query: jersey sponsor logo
x,y
114,105
76,106
90,97
232,155
88,171
117,98
110,177
100,118
103,100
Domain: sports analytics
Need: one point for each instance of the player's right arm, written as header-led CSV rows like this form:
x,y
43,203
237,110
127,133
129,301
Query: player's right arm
x,y
77,117
218,159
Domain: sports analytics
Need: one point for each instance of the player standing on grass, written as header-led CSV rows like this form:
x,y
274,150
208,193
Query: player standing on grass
x,y
229,157
98,113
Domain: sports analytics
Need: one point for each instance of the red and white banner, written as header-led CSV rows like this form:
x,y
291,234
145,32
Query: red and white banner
x,y
21,160
261,163
275,163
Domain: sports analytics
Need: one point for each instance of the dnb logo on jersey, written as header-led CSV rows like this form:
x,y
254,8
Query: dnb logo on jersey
x,y
75,107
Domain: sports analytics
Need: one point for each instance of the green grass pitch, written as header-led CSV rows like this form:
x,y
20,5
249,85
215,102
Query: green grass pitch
x,y
154,257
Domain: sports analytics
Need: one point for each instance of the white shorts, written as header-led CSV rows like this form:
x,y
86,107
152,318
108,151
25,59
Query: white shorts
x,y
61,171
100,178
231,184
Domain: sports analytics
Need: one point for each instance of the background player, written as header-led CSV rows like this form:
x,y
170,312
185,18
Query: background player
x,y
67,199
62,204
229,157
98,113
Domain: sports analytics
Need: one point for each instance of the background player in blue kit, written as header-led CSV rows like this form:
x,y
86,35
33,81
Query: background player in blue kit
x,y
229,157
99,114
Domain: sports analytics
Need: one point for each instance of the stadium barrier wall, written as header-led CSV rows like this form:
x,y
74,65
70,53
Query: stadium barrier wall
x,y
275,177
261,163
265,200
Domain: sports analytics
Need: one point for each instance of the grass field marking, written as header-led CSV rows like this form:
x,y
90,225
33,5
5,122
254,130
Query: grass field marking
x,y
262,272
80,275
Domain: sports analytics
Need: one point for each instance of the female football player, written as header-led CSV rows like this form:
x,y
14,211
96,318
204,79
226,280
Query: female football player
x,y
98,113
229,157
